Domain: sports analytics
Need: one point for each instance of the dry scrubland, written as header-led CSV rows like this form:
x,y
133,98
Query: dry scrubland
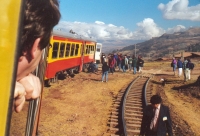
x,y
82,105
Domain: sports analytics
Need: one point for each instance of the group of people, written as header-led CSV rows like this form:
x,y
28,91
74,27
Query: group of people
x,y
183,67
123,62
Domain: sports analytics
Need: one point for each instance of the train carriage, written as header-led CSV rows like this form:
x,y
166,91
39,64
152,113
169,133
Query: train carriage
x,y
69,52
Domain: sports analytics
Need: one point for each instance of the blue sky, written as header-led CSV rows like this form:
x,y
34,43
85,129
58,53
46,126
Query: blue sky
x,y
125,22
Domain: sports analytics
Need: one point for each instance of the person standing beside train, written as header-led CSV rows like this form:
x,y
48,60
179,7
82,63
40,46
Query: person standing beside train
x,y
185,70
112,63
116,57
124,63
102,58
134,64
119,61
105,69
174,65
130,59
180,67
140,63
39,19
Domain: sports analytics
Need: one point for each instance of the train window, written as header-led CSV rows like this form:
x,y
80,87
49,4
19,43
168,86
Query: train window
x,y
72,50
98,50
67,51
62,48
86,50
76,50
55,50
89,49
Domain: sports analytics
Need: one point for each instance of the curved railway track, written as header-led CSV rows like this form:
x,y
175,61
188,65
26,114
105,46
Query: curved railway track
x,y
126,114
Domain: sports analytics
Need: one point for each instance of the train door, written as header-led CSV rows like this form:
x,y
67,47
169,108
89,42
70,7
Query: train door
x,y
98,53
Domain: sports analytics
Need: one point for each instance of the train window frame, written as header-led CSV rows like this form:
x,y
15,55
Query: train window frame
x,y
81,50
76,49
92,49
98,49
72,49
89,49
86,49
67,50
62,52
55,48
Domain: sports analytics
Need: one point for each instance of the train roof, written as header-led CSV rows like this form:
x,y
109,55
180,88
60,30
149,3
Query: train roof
x,y
73,36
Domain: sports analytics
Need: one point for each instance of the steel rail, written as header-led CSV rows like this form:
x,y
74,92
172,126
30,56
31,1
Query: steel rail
x,y
136,113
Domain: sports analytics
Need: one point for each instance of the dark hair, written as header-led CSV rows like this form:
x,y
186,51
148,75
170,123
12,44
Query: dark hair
x,y
40,16
156,99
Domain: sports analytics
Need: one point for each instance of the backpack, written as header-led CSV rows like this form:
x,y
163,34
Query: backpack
x,y
190,65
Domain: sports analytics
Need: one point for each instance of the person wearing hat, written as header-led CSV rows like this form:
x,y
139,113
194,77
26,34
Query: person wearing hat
x,y
156,119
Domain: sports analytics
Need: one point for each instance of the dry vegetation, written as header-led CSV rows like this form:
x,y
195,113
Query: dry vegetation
x,y
81,105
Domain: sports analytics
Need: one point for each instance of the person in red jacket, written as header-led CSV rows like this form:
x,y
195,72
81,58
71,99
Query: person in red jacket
x,y
112,64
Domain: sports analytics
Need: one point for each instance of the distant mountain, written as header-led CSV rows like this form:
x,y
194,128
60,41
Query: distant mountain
x,y
167,44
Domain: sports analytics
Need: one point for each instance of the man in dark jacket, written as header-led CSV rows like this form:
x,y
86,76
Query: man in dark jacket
x,y
140,63
134,64
156,119
180,67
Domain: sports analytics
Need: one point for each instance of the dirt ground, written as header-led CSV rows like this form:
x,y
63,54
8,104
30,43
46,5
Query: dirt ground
x,y
81,105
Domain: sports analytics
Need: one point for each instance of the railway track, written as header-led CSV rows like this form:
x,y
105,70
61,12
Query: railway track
x,y
127,110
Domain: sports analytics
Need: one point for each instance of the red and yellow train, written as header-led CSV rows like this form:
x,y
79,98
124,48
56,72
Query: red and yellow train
x,y
69,52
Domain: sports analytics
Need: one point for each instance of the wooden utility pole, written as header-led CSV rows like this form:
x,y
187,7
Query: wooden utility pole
x,y
135,51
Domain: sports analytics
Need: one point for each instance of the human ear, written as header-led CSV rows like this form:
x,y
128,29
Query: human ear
x,y
35,48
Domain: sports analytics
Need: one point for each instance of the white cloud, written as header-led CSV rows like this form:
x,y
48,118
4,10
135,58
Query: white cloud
x,y
148,29
99,22
110,34
178,28
99,30
179,9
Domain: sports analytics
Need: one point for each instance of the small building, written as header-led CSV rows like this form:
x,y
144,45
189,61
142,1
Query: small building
x,y
163,59
188,55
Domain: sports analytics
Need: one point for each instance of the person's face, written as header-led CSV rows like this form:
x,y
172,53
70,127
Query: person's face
x,y
155,105
25,67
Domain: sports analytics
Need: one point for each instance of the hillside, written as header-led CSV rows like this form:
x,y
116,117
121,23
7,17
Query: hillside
x,y
167,44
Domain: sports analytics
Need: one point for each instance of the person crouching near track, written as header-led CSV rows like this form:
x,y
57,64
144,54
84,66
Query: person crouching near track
x,y
156,119
105,69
